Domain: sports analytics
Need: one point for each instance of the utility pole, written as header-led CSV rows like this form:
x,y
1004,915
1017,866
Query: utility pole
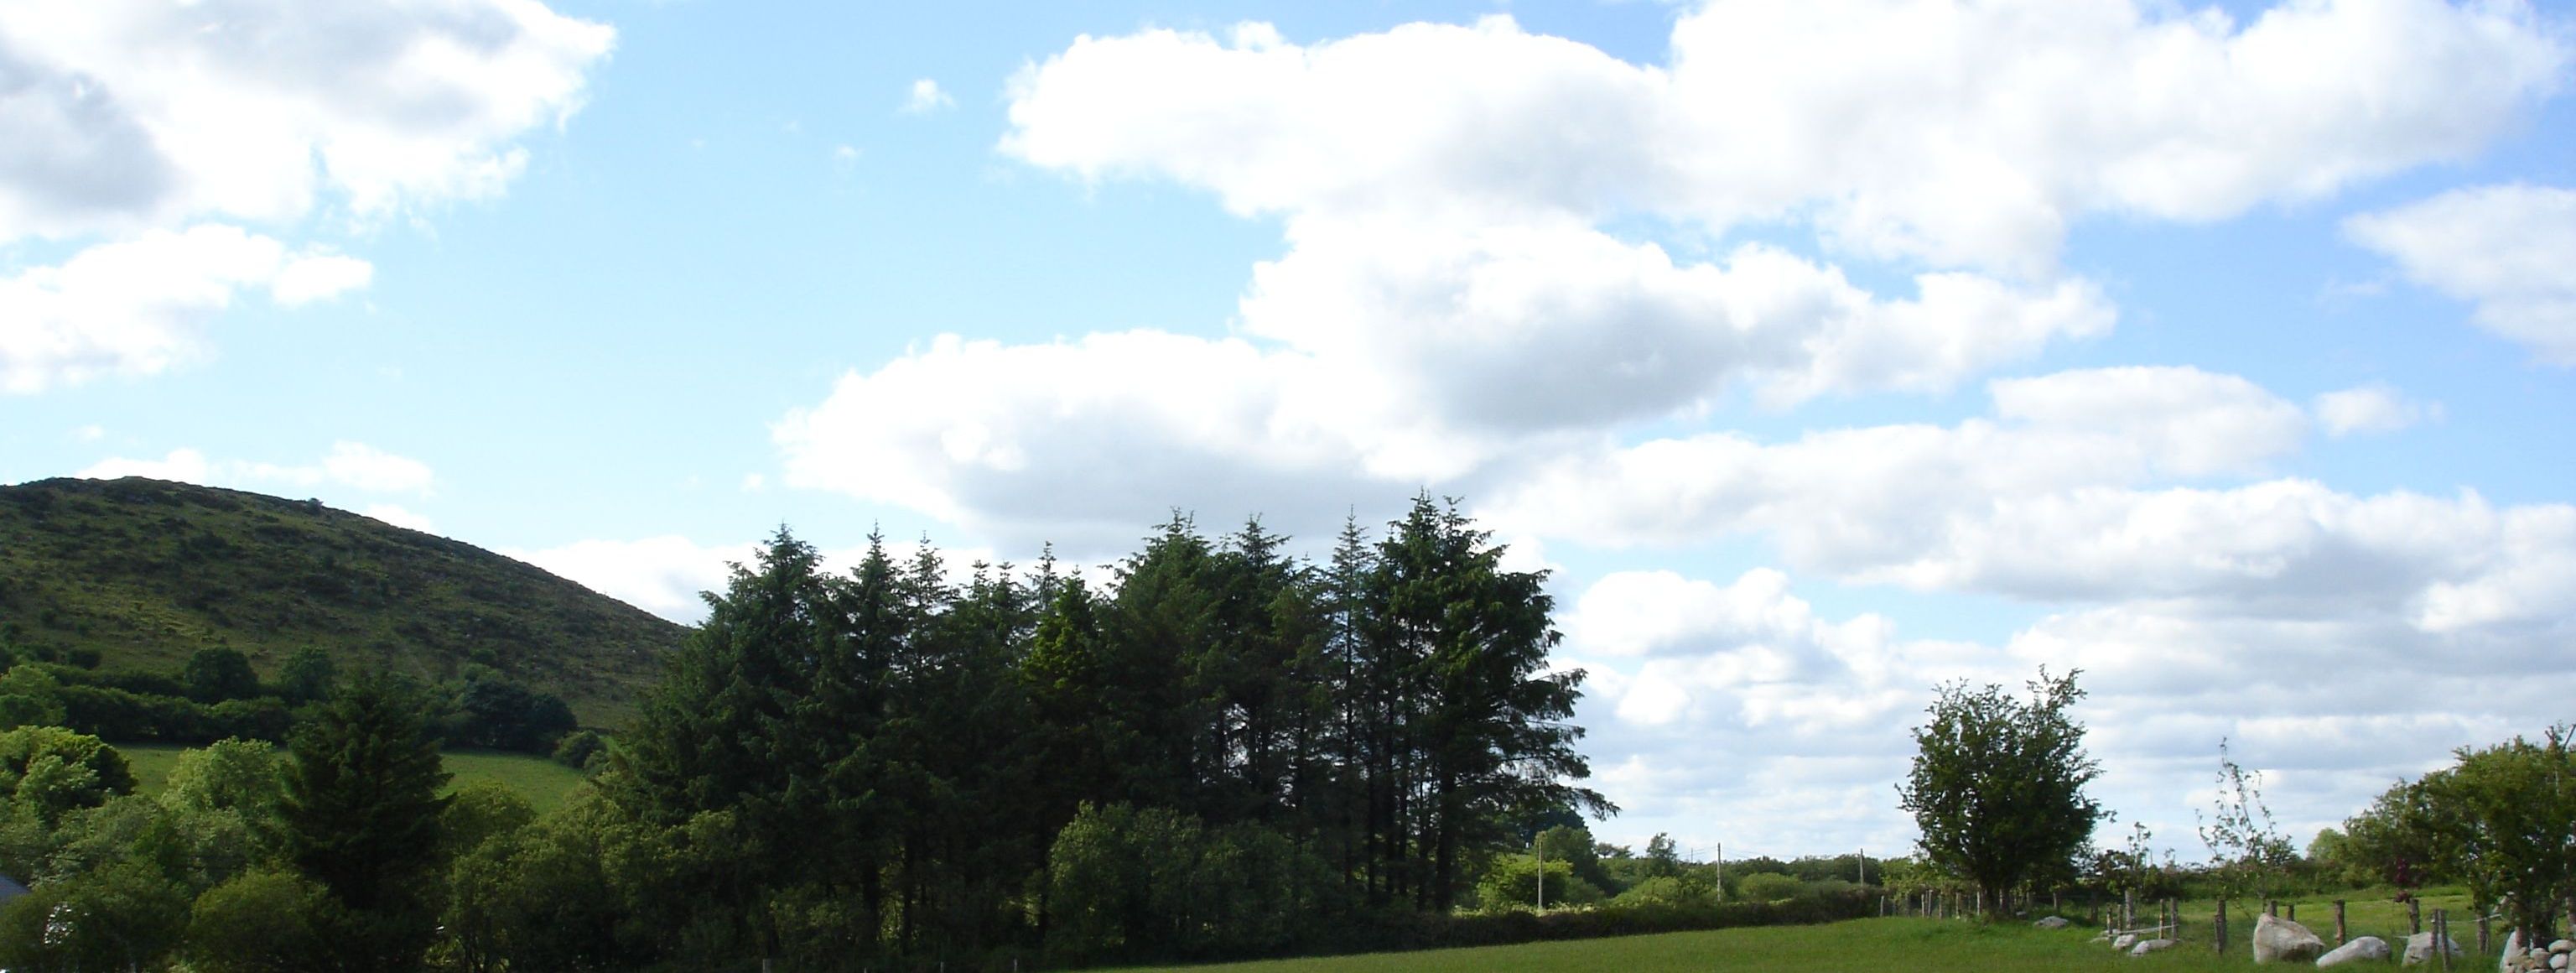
x,y
1538,853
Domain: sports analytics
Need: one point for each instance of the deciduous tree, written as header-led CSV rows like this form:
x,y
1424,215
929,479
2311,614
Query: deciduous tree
x,y
1997,785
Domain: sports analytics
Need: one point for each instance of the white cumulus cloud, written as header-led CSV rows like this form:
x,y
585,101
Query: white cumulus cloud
x,y
2368,409
925,97
662,575
130,113
137,307
153,133
1954,132
2510,250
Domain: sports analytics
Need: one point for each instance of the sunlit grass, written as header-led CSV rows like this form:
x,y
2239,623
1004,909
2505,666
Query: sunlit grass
x,y
1914,945
545,783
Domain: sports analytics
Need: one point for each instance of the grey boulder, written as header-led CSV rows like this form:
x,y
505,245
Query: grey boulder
x,y
2277,940
2364,948
2419,947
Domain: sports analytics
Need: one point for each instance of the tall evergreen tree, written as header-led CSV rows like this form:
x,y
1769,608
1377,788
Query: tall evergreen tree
x,y
1483,726
361,809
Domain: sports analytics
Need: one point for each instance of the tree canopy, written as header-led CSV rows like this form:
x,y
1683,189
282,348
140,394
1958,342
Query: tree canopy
x,y
1997,785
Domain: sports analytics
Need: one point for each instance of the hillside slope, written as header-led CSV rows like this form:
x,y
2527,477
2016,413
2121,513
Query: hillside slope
x,y
144,572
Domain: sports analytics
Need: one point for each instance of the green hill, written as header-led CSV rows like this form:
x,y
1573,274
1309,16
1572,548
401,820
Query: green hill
x,y
141,573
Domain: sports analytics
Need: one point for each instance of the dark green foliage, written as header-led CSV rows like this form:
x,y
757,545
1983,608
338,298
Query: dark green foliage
x,y
1512,882
1123,882
1997,784
214,675
307,676
119,714
1767,887
135,576
580,749
2503,819
499,714
361,811
50,771
120,917
269,921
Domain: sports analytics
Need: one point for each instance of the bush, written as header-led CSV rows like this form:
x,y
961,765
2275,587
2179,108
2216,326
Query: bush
x,y
1766,887
1666,891
214,675
115,918
1512,883
580,748
260,922
1155,883
502,715
54,770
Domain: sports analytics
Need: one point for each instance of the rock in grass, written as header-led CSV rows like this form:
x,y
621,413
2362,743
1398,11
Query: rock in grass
x,y
2419,947
2052,922
2277,939
2364,948
2125,941
2146,946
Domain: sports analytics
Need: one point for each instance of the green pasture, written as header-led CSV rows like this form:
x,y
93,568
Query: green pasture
x,y
543,782
1911,944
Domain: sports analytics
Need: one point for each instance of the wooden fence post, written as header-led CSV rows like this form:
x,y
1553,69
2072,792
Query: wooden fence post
x,y
2339,929
2442,936
2218,928
2128,910
2414,916
2485,945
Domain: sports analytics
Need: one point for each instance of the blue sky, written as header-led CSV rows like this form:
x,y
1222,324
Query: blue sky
x,y
1825,351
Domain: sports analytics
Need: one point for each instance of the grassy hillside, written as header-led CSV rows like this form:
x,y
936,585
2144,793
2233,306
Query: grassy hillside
x,y
144,572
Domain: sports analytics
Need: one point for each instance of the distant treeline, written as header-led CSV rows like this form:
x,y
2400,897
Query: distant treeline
x,y
216,695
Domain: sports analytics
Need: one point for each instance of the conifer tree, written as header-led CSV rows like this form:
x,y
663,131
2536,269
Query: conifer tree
x,y
361,810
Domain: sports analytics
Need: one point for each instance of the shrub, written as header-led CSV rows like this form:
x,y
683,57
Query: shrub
x,y
1766,887
579,749
1512,883
260,922
1666,891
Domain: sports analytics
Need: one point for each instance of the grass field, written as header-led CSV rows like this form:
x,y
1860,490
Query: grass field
x,y
543,782
1913,945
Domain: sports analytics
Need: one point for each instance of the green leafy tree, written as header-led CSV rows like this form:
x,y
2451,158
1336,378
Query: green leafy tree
x,y
361,808
268,921
2395,839
30,696
117,918
48,770
2504,817
308,676
216,674
1663,857
1997,784
1512,883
